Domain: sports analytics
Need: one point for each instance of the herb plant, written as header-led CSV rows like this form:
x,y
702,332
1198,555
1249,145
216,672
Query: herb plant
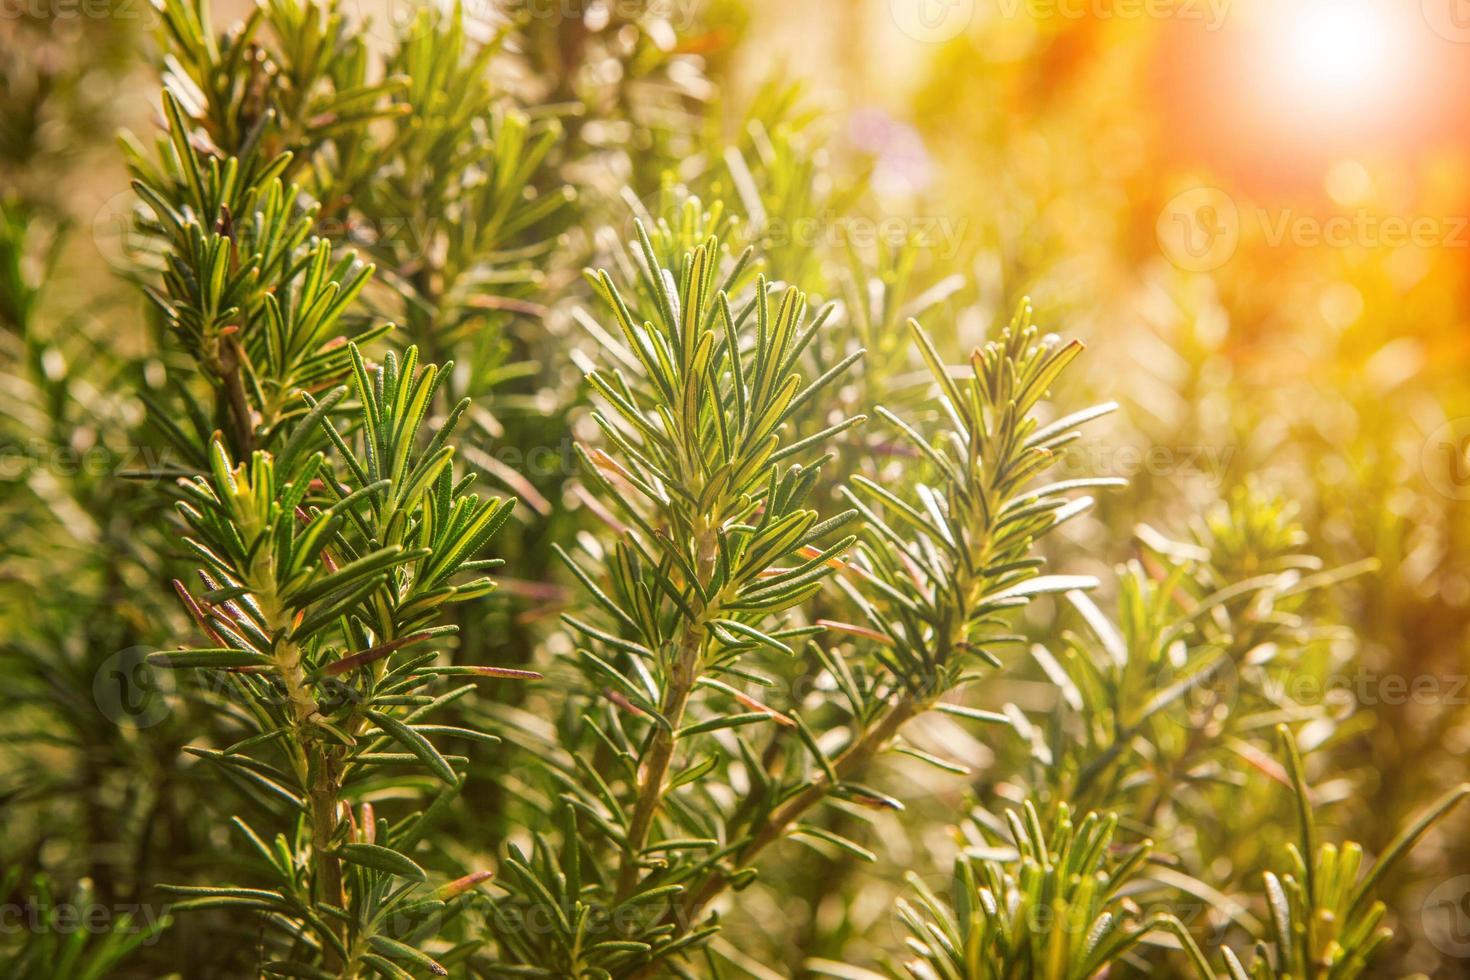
x,y
812,621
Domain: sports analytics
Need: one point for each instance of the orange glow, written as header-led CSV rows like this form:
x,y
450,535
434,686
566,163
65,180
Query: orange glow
x,y
1338,57
1289,87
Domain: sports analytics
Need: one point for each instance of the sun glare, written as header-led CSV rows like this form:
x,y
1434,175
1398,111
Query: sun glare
x,y
1339,55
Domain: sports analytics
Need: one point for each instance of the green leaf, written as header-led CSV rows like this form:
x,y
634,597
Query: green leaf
x,y
837,840
394,949
726,721
381,858
221,657
417,744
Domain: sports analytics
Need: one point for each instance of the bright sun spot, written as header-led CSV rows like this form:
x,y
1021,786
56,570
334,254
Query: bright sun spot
x,y
1340,54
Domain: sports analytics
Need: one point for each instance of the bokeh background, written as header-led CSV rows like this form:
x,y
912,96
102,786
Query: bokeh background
x,y
1256,213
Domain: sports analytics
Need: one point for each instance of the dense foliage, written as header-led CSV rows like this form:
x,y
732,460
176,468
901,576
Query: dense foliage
x,y
499,517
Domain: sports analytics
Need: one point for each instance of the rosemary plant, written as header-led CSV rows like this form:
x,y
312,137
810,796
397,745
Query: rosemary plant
x,y
1210,635
1064,903
799,533
329,533
62,949
1324,919
714,543
323,575
1056,905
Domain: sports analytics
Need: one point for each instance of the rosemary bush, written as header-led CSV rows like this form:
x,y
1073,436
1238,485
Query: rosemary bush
x,y
326,674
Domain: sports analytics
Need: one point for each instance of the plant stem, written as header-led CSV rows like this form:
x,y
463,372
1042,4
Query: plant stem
x,y
661,751
317,770
859,754
322,804
236,403
854,759
660,754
